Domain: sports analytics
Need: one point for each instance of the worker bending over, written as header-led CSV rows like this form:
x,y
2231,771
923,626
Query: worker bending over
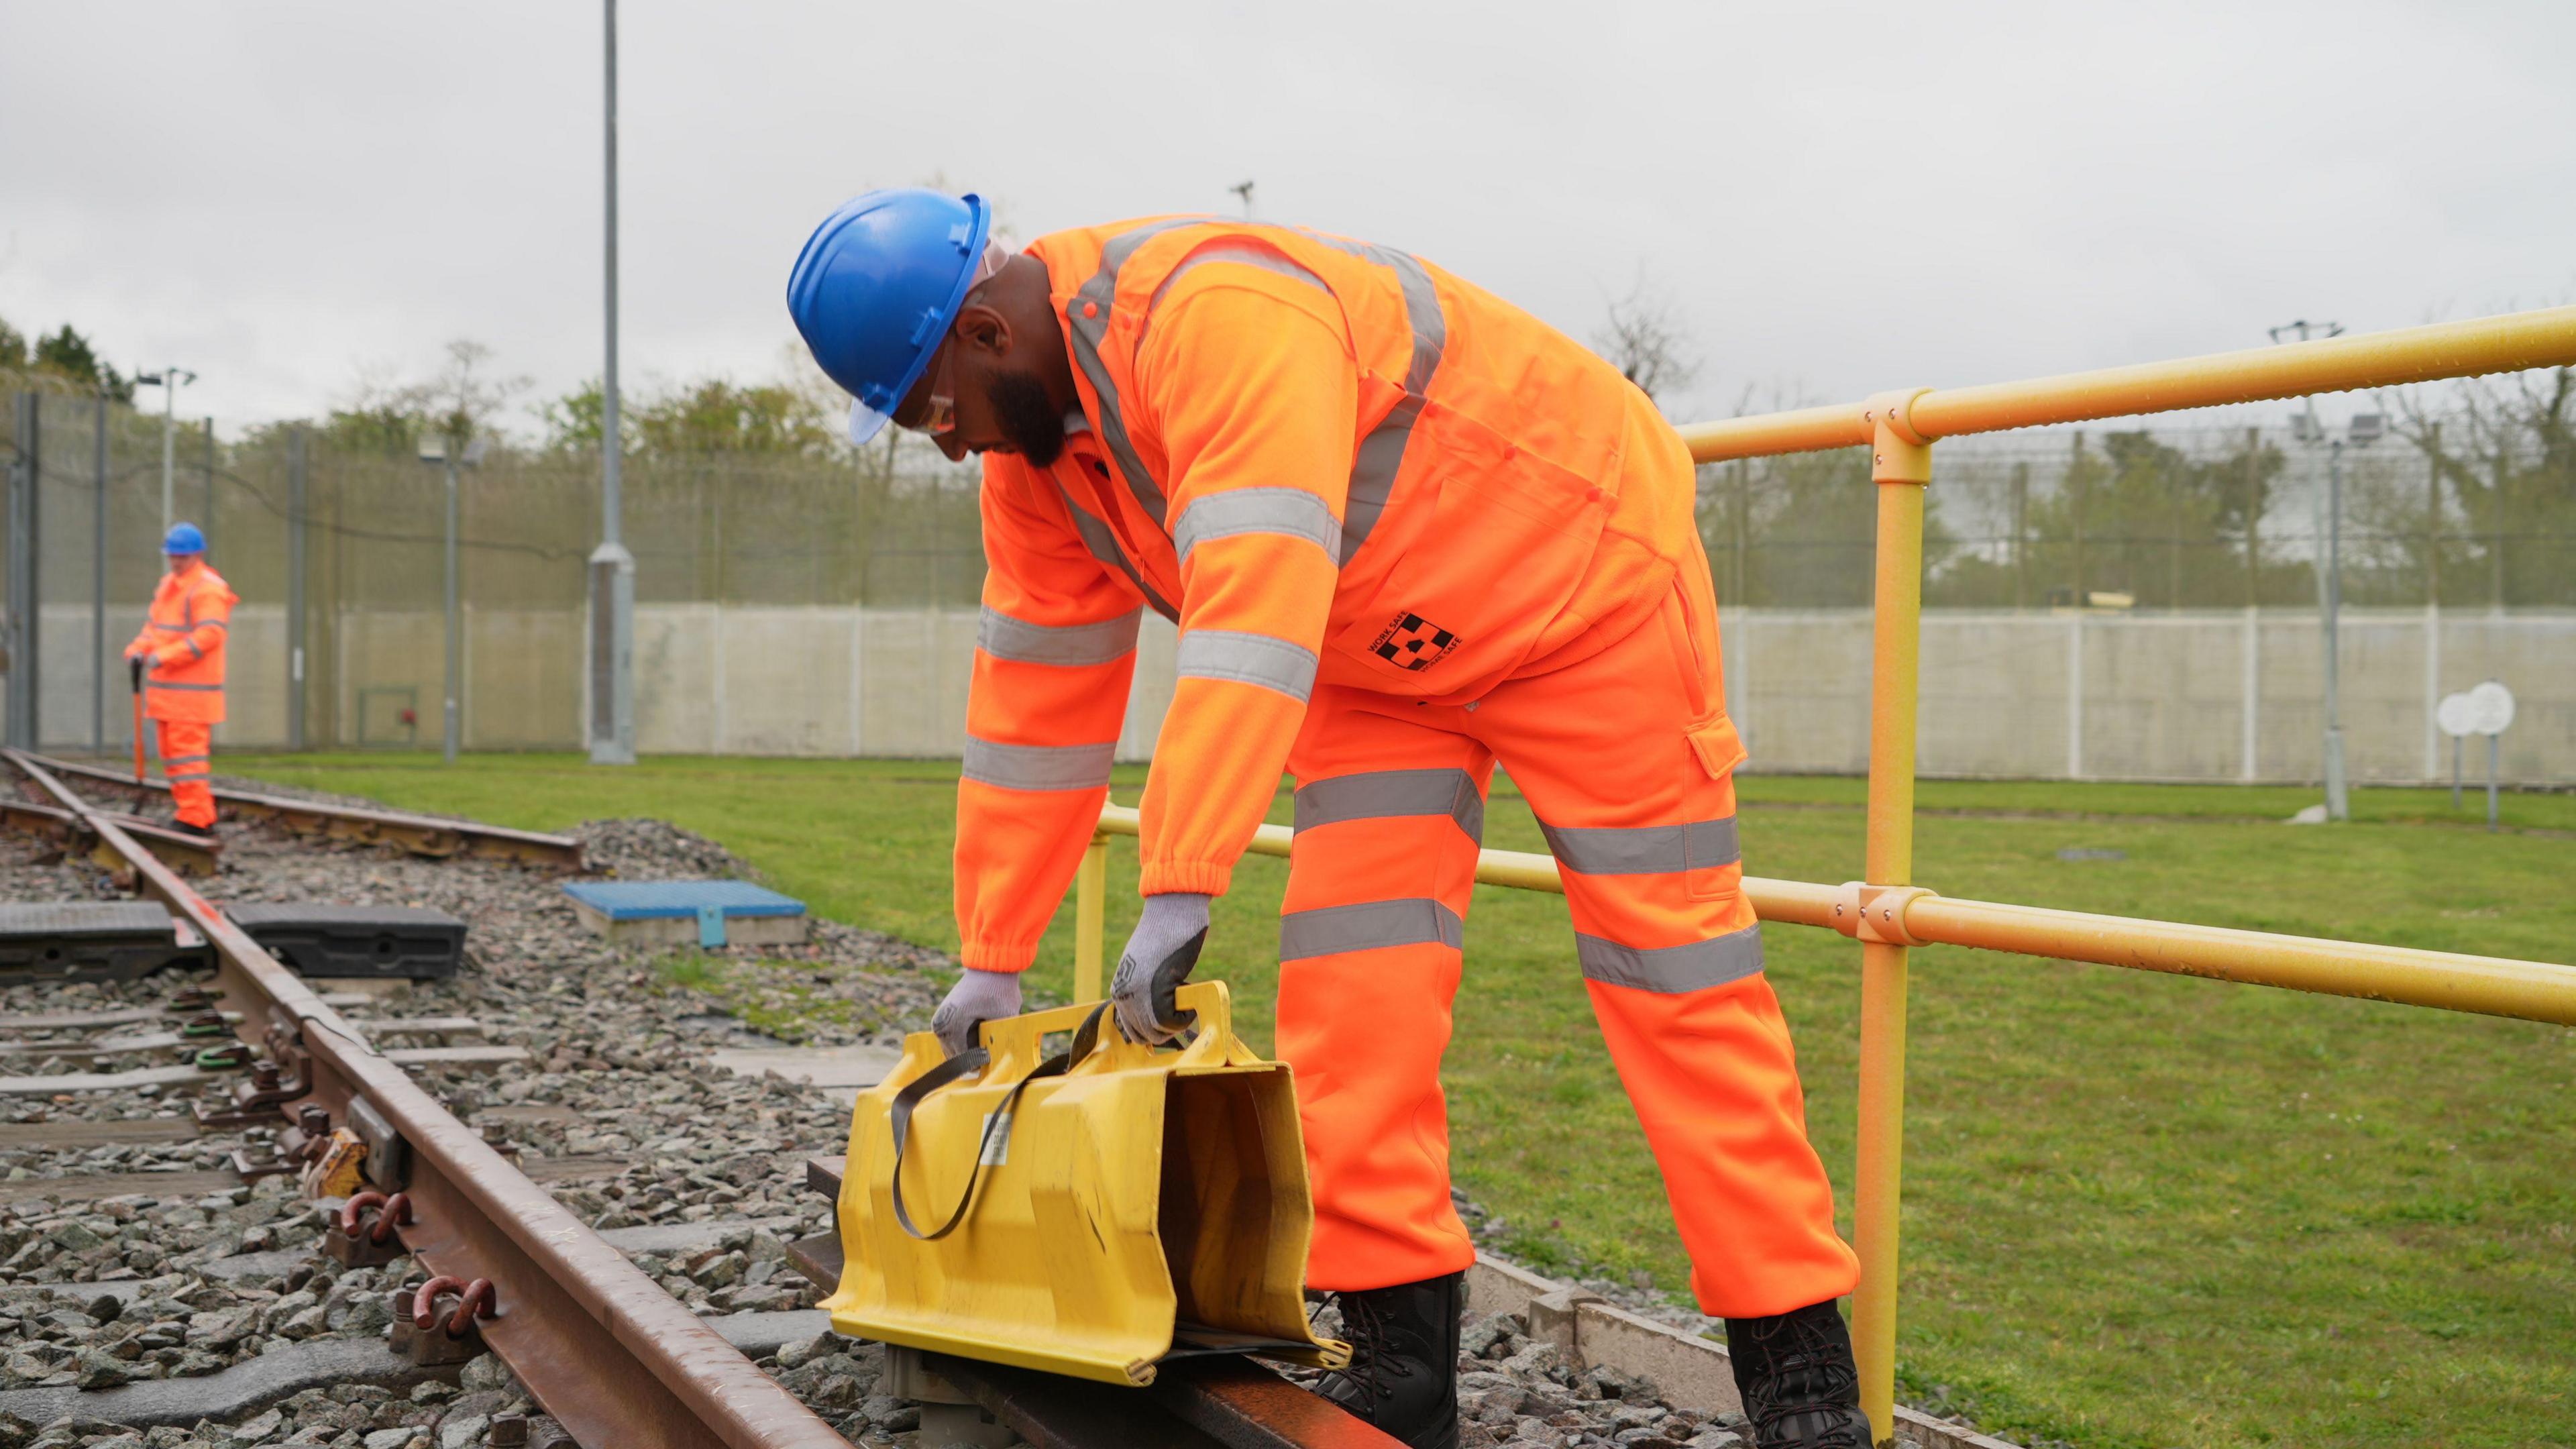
x,y
178,664
1406,531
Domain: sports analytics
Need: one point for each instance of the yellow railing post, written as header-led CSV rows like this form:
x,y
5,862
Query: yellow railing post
x,y
1901,464
1090,916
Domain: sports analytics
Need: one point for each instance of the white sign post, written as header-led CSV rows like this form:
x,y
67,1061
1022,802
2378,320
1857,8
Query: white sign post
x,y
2486,710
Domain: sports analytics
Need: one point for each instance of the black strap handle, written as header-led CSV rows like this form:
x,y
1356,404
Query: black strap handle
x,y
996,1136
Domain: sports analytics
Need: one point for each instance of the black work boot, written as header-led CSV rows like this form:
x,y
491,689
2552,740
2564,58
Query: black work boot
x,y
193,828
1403,1375
1795,1372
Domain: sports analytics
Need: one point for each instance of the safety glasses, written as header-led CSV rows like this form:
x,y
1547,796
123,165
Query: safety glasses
x,y
939,410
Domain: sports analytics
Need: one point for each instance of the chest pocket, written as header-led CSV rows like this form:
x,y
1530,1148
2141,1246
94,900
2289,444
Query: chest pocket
x,y
1487,546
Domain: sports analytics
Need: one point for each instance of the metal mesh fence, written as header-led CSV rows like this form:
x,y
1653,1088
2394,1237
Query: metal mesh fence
x,y
2478,513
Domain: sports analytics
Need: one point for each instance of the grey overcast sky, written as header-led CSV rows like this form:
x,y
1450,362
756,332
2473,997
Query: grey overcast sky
x,y
1837,198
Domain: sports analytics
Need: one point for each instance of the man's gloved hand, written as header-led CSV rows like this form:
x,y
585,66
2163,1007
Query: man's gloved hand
x,y
1157,960
137,663
978,996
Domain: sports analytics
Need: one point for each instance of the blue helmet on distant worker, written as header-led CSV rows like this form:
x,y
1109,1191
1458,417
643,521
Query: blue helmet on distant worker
x,y
877,286
183,538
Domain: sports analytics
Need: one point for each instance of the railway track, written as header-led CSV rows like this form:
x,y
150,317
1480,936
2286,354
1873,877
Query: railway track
x,y
584,1318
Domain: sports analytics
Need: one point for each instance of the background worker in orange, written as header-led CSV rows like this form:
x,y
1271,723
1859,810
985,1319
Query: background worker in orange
x,y
1406,530
179,661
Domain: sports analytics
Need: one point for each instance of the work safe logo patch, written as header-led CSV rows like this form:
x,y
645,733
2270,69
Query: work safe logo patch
x,y
1413,642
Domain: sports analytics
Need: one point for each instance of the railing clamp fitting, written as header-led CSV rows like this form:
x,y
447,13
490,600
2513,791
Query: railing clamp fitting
x,y
1898,451
1867,912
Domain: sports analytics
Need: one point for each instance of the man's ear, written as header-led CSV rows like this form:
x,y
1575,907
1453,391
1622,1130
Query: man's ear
x,y
984,329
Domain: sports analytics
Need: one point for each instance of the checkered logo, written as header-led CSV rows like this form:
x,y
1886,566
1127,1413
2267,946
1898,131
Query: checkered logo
x,y
1413,642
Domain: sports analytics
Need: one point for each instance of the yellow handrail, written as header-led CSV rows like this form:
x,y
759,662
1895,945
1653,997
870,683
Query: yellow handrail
x,y
2510,343
2452,981
1887,914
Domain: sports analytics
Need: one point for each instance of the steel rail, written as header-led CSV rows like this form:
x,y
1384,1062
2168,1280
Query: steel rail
x,y
2510,343
420,834
615,1359
2483,985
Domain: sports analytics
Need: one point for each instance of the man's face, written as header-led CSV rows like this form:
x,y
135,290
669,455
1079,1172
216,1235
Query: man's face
x,y
983,393
180,563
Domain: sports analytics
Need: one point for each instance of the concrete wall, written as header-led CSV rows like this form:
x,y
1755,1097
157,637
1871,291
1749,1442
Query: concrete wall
x,y
2186,696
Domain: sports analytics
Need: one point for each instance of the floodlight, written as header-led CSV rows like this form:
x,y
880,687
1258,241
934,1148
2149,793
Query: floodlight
x,y
2366,429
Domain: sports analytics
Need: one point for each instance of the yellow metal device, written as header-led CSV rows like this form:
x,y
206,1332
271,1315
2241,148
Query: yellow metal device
x,y
1138,1204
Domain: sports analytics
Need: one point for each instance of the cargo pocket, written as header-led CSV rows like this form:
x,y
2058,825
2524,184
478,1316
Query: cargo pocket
x,y
1718,747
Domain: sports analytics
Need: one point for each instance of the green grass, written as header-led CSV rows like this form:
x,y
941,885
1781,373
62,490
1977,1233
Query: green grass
x,y
2139,1210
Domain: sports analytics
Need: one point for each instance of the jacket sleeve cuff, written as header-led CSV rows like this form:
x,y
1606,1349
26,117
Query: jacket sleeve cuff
x,y
997,956
1191,877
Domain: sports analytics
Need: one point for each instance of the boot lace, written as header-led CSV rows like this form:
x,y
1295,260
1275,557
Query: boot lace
x,y
1805,1394
1373,1361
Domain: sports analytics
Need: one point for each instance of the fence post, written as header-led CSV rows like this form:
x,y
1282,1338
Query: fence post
x,y
2075,694
295,640
25,479
1901,466
98,670
2253,658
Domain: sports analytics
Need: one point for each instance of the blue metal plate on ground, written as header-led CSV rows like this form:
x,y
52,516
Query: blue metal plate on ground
x,y
661,900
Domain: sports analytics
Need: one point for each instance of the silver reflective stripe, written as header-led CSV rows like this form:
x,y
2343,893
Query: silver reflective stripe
x,y
1038,767
168,760
1103,543
1249,659
1381,453
190,688
1290,512
1644,850
1388,794
1671,970
1367,927
1004,637
1095,297
1252,256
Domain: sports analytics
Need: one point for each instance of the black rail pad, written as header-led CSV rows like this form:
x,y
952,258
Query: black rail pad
x,y
90,941
356,940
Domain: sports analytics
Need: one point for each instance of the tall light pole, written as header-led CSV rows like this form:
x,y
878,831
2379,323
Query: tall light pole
x,y
2329,571
612,568
169,380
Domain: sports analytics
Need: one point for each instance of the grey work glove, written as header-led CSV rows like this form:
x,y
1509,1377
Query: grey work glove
x,y
978,997
1157,960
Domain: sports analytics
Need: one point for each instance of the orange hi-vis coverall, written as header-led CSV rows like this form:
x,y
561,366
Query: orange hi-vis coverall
x,y
1405,529
183,685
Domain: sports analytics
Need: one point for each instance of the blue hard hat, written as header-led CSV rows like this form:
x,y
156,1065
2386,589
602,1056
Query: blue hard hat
x,y
877,286
183,538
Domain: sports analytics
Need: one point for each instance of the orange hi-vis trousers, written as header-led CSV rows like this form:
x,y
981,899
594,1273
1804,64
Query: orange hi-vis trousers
x,y
1626,757
187,760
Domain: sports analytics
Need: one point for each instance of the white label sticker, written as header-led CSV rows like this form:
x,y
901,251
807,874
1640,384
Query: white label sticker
x,y
997,1138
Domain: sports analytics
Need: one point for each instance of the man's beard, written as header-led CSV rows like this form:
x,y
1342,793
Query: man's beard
x,y
1028,417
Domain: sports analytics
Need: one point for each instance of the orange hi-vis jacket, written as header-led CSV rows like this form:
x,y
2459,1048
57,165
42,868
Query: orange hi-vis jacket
x,y
184,639
1327,461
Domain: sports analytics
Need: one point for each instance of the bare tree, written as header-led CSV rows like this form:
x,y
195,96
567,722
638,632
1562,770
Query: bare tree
x,y
1642,337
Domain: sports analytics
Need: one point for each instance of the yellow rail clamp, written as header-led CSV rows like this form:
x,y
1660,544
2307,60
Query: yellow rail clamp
x,y
1091,1212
